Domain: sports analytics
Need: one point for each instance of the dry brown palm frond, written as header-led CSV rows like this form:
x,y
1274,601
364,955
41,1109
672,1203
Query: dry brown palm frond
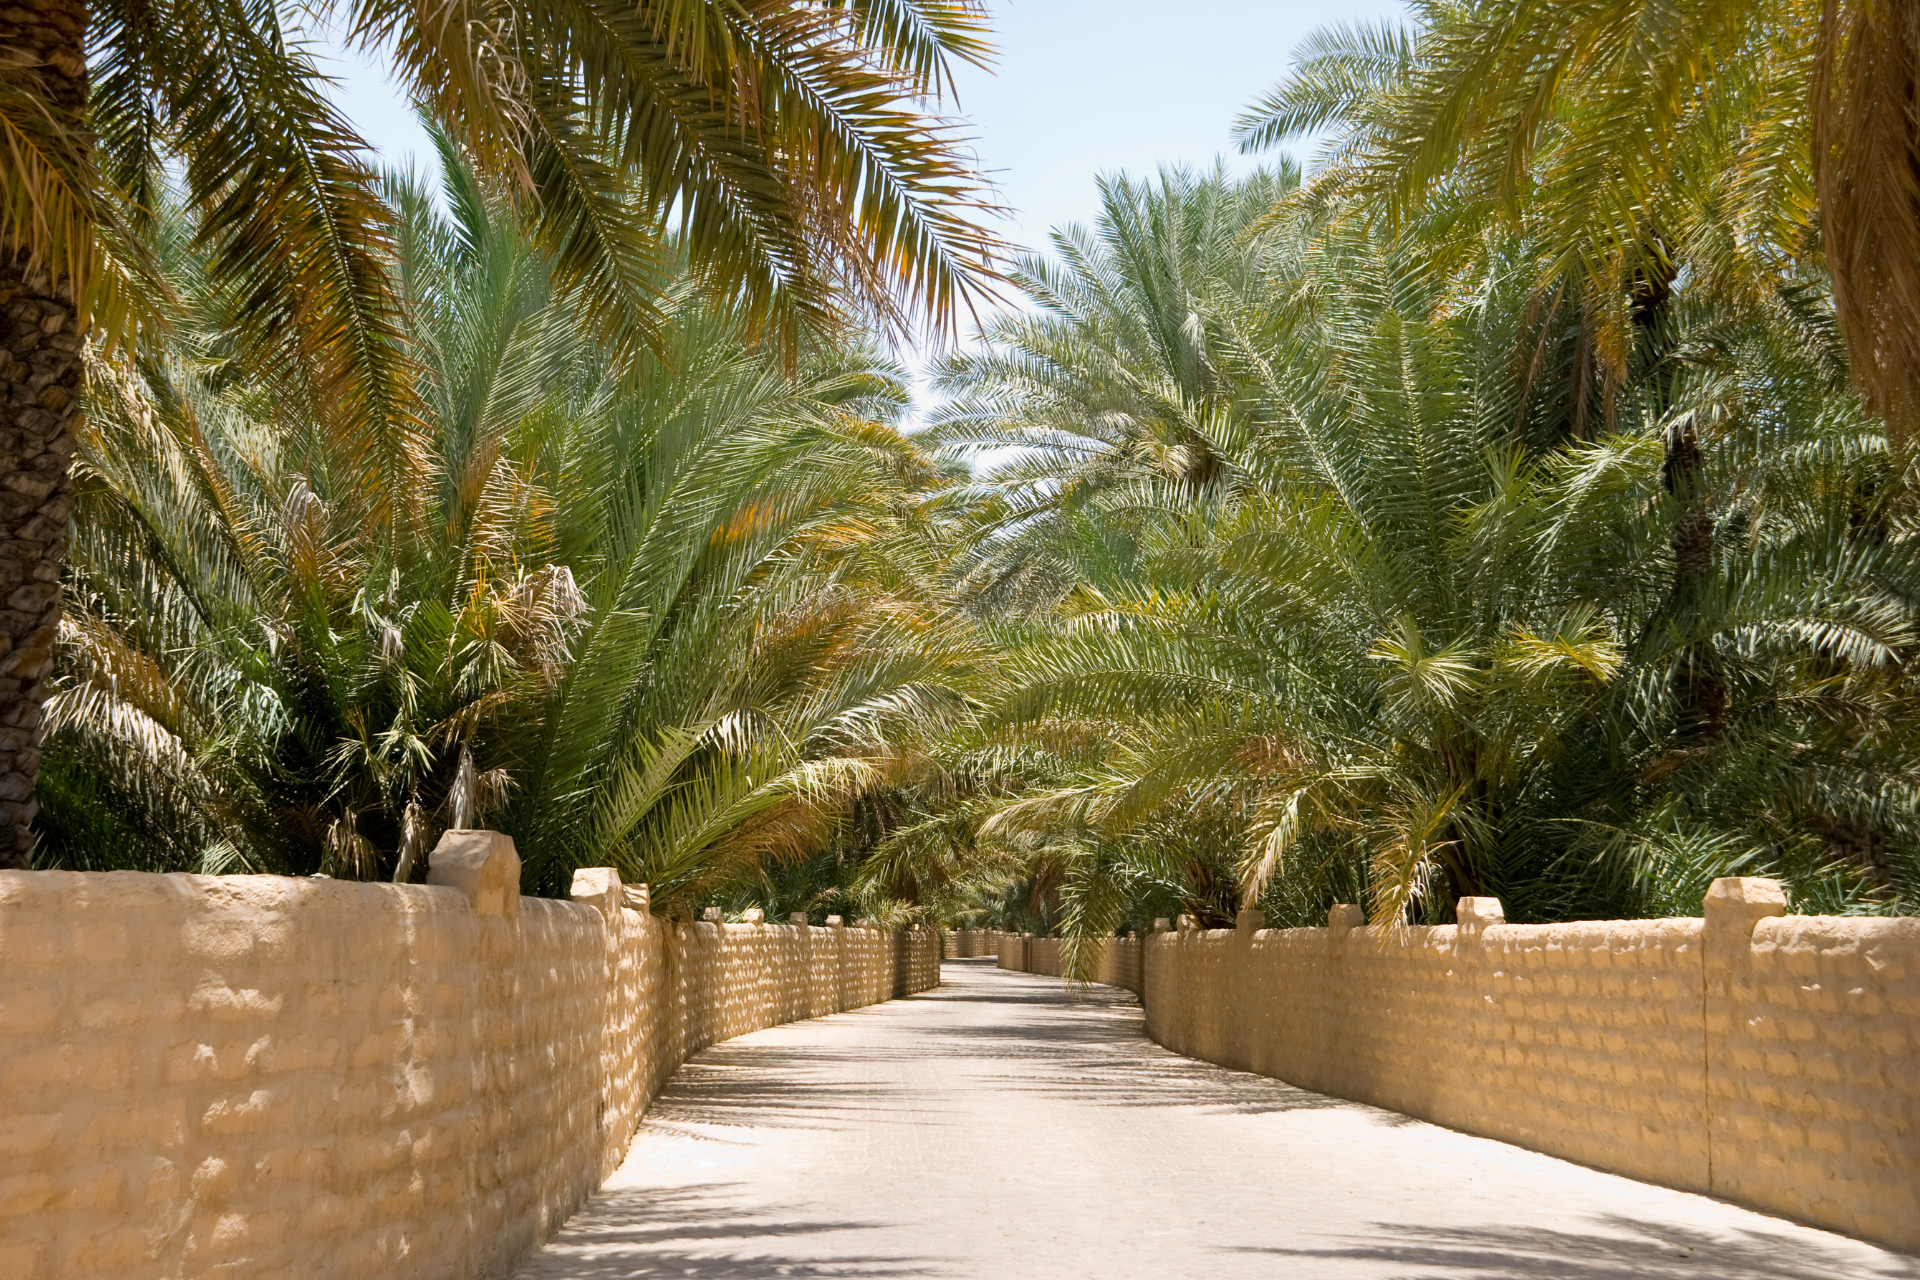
x,y
58,213
537,617
348,855
1408,845
319,554
106,662
416,835
475,793
129,714
469,70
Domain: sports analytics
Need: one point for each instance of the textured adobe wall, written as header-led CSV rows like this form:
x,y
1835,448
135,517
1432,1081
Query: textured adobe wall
x,y
254,1075
1813,1064
1118,966
1583,1040
203,1071
1772,1060
965,944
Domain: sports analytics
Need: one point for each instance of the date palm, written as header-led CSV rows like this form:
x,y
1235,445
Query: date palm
x,y
787,147
1116,377
1408,647
673,612
1635,140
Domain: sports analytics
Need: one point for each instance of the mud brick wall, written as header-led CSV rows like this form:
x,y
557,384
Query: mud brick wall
x,y
965,944
1118,964
241,1075
1769,1059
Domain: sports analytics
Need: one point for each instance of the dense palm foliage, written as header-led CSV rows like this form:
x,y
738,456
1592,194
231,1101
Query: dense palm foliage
x,y
788,145
1514,506
1320,585
673,612
1494,514
1630,137
789,155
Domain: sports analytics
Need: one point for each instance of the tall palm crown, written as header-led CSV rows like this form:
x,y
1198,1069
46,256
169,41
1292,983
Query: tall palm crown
x,y
787,145
1425,633
676,613
1118,377
1634,139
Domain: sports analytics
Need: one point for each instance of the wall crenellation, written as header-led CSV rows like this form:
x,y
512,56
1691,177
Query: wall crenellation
x,y
239,1075
1765,1058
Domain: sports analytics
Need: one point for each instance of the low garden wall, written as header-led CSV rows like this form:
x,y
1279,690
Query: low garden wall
x,y
260,1075
966,944
1117,966
1769,1059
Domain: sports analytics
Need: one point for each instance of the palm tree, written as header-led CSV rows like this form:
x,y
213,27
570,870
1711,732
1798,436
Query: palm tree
x,y
1117,376
787,146
1408,647
1634,140
676,612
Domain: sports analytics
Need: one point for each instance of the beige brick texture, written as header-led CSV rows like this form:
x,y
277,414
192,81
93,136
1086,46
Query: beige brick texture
x,y
1766,1059
966,944
1813,1074
255,1075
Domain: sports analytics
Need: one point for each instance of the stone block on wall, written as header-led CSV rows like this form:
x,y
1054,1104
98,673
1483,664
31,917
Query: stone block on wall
x,y
480,864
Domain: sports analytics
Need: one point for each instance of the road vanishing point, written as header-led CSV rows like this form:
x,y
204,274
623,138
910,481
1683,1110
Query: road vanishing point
x,y
1006,1125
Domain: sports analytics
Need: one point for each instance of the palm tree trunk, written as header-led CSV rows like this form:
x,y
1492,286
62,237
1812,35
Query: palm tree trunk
x,y
1866,166
1702,694
40,343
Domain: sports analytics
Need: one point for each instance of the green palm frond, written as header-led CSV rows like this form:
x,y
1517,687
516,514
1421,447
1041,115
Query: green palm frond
x,y
676,608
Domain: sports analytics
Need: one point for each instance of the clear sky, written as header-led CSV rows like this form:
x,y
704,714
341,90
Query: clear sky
x,y
1084,87
1079,88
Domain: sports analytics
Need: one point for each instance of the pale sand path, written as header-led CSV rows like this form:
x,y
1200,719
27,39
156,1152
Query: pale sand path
x,y
1006,1125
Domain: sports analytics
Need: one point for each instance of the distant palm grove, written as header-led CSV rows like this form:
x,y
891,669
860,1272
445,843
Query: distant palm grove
x,y
1520,502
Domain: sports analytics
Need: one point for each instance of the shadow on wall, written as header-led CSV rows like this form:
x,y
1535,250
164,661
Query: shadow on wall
x,y
1635,1251
1744,1053
631,1223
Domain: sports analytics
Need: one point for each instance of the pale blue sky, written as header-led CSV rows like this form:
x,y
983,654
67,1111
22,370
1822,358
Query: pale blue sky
x,y
1079,88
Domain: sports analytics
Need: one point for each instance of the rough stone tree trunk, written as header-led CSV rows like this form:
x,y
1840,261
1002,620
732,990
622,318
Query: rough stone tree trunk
x,y
40,343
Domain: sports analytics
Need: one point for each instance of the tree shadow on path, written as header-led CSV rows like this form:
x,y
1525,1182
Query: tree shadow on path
x,y
1625,1249
1091,1042
700,1230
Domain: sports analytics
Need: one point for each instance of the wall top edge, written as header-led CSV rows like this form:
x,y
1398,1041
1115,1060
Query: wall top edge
x,y
147,889
1872,926
761,928
1515,932
259,892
